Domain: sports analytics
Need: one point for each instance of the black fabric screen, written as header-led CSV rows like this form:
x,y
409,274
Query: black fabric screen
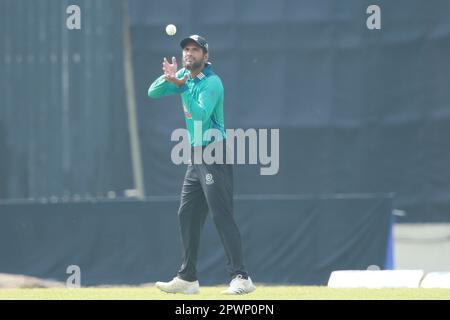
x,y
286,240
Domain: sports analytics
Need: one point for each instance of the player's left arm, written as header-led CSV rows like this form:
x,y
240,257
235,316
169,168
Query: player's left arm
x,y
202,109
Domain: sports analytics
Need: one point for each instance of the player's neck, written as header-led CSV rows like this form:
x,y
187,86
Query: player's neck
x,y
195,72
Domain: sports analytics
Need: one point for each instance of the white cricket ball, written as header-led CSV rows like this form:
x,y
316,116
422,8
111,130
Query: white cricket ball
x,y
171,29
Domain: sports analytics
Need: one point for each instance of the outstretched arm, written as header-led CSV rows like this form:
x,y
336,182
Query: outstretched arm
x,y
166,84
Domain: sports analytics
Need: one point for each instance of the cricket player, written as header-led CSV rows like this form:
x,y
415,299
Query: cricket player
x,y
205,186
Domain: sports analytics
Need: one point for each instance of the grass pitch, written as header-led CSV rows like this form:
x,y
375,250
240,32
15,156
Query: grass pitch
x,y
263,292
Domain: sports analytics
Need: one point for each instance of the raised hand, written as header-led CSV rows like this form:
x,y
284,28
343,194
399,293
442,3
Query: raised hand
x,y
170,69
170,72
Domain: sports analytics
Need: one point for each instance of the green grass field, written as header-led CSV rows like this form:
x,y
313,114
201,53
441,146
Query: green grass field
x,y
213,293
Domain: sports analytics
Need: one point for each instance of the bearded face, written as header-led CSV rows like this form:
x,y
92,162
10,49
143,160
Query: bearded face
x,y
193,56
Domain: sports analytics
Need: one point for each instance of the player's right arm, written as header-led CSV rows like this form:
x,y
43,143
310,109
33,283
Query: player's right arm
x,y
161,87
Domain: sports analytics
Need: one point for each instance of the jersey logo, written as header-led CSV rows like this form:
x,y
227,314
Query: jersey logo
x,y
209,179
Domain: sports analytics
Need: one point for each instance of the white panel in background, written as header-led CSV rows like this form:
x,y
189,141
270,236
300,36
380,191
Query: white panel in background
x,y
375,279
436,280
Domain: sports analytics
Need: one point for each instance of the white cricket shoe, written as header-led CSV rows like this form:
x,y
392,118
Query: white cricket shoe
x,y
240,285
178,285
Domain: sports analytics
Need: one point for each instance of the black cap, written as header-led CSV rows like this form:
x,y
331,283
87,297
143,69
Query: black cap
x,y
197,39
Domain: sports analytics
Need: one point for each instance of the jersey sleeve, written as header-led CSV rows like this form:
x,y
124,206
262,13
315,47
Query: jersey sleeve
x,y
161,87
201,109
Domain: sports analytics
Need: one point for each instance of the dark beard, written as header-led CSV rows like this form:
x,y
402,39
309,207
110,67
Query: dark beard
x,y
193,66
